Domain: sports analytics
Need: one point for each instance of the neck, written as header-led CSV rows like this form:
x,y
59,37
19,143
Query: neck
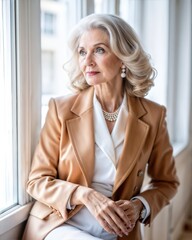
x,y
109,98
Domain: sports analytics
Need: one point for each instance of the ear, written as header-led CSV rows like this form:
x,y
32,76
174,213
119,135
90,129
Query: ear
x,y
123,65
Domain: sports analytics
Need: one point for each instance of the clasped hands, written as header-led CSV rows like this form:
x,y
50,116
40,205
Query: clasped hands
x,y
117,217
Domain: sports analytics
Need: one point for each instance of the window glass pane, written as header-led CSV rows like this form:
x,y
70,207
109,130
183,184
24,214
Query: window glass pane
x,y
153,36
57,19
155,41
100,6
48,22
128,10
8,161
104,6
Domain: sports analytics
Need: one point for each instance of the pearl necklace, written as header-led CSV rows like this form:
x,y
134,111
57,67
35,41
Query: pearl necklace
x,y
112,117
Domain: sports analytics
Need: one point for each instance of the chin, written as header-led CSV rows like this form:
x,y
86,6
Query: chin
x,y
93,82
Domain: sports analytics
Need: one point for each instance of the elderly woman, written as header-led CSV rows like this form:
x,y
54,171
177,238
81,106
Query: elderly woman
x,y
96,144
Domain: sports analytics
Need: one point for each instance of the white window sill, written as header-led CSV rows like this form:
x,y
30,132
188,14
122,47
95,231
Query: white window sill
x,y
14,217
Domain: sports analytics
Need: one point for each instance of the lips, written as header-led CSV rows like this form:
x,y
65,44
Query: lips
x,y
91,73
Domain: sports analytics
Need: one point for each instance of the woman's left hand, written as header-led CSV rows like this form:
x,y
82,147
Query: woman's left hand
x,y
132,210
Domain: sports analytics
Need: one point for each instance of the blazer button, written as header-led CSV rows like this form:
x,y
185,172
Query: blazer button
x,y
140,173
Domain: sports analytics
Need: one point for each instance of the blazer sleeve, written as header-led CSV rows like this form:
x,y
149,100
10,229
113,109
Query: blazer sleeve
x,y
162,172
43,184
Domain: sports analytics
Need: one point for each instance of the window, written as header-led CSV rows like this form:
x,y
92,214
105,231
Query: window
x,y
179,72
8,119
150,20
160,27
56,18
20,106
48,23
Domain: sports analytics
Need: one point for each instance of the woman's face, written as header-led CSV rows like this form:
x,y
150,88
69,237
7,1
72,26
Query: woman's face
x,y
96,60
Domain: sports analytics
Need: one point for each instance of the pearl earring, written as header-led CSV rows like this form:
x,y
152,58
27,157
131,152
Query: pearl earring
x,y
123,71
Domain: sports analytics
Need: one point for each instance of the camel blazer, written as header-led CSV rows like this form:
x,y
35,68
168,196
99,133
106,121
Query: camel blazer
x,y
64,159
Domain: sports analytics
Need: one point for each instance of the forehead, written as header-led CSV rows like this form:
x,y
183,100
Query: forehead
x,y
92,37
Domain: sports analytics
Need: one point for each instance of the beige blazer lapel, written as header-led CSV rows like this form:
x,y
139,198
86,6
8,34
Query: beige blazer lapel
x,y
81,133
135,136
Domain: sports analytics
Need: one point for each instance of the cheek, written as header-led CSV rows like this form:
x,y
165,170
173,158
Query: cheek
x,y
105,64
113,66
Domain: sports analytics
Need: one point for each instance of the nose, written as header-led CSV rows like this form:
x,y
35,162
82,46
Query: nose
x,y
89,60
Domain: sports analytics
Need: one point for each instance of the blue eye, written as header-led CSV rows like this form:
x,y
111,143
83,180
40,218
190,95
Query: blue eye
x,y
82,53
99,50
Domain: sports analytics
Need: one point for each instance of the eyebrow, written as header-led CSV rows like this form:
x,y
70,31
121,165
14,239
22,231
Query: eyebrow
x,y
96,44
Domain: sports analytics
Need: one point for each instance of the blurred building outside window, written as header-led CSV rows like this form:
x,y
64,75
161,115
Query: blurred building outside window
x,y
57,19
48,21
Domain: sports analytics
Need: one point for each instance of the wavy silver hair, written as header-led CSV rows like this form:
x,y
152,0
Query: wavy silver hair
x,y
124,44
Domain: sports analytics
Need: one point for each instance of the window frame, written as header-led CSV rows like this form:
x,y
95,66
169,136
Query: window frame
x,y
28,76
29,87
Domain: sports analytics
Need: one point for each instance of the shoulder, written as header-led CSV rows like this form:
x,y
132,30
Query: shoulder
x,y
62,104
71,105
144,107
66,100
147,110
155,113
151,106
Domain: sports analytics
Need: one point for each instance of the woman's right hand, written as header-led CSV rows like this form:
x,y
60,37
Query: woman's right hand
x,y
110,216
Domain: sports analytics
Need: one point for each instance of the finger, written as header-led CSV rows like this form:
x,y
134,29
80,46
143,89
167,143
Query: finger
x,y
115,222
106,226
120,202
114,226
122,214
119,218
124,204
133,219
130,211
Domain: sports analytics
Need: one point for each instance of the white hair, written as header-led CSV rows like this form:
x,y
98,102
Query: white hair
x,y
123,43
